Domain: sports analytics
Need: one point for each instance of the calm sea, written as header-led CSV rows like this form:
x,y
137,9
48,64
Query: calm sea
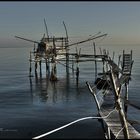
x,y
30,106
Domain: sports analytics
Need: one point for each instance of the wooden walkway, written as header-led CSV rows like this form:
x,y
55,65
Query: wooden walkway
x,y
113,109
113,122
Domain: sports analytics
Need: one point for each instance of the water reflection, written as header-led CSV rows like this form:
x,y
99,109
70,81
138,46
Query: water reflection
x,y
53,91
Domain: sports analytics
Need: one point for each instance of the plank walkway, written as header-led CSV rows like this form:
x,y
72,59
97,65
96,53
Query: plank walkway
x,y
113,121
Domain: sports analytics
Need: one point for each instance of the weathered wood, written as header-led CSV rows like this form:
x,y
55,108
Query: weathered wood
x,y
119,107
94,95
95,60
127,63
30,67
114,122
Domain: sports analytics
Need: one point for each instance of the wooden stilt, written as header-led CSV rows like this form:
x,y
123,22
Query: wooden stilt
x,y
53,74
47,67
119,60
126,99
103,66
36,76
72,64
30,67
40,68
77,75
77,62
113,55
35,67
67,49
100,51
95,60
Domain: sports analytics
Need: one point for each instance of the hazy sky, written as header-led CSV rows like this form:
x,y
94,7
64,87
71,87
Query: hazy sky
x,y
121,20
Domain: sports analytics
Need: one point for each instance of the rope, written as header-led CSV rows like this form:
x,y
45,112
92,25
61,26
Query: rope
x,y
66,66
64,126
119,132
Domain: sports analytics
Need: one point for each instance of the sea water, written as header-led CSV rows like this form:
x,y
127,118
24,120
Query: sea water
x,y
31,106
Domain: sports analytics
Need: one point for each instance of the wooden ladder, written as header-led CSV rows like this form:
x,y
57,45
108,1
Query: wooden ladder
x,y
127,63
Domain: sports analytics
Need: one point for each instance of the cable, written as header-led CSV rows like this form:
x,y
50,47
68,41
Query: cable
x,y
64,126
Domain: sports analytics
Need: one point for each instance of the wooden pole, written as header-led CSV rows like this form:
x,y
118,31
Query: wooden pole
x,y
94,95
119,107
95,60
47,67
113,55
77,69
53,72
108,132
72,65
126,99
40,68
131,62
100,51
123,60
30,68
67,48
35,67
119,60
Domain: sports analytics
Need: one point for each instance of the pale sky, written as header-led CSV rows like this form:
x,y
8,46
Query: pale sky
x,y
120,20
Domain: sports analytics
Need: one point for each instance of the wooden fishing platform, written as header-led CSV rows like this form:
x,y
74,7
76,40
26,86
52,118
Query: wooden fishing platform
x,y
112,108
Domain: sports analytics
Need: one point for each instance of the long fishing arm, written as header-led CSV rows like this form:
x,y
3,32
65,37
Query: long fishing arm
x,y
89,39
27,39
